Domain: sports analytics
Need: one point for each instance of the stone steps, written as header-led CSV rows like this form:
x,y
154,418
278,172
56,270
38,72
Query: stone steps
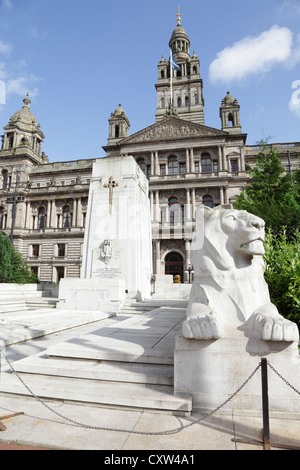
x,y
112,371
131,379
19,326
127,363
132,396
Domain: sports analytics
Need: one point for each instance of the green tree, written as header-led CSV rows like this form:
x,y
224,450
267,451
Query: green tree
x,y
13,268
272,195
282,260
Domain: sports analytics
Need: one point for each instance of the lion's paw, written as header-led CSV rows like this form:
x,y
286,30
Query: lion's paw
x,y
276,328
207,327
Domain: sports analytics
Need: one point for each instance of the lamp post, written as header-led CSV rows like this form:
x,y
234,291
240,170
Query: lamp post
x,y
189,270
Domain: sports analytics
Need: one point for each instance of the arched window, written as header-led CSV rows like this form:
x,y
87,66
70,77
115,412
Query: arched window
x,y
230,120
117,131
41,218
173,166
141,164
162,74
195,69
179,102
66,216
207,200
206,163
162,102
187,101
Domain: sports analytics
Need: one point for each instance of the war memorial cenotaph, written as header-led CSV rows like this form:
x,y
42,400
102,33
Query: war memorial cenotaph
x,y
117,259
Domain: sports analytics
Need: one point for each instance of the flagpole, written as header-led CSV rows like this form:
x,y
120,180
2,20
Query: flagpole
x,y
171,74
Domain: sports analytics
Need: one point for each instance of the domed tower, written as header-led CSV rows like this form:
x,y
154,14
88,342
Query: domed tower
x,y
230,115
118,126
182,86
23,131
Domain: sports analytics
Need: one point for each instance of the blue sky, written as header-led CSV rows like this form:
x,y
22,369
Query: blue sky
x,y
80,58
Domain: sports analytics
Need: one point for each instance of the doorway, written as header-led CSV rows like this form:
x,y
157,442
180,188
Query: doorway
x,y
174,264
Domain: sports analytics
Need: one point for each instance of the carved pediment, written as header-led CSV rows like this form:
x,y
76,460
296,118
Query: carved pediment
x,y
172,129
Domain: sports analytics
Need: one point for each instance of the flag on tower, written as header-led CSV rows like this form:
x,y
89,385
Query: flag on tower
x,y
173,63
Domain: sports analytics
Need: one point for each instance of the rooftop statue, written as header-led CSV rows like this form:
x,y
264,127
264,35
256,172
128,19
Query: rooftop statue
x,y
229,292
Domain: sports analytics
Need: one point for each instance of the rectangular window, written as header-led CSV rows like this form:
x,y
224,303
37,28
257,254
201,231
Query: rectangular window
x,y
173,167
182,168
163,169
35,250
196,167
61,249
234,166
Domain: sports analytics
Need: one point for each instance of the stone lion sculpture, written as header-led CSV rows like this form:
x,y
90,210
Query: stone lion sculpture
x,y
229,292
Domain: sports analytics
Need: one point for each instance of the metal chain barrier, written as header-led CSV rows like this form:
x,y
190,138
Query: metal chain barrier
x,y
283,379
149,433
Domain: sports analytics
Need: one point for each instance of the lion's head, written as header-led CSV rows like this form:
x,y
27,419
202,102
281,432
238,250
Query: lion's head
x,y
226,238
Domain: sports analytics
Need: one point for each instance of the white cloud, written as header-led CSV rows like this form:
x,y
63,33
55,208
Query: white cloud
x,y
3,73
7,4
291,5
5,48
252,55
294,104
21,85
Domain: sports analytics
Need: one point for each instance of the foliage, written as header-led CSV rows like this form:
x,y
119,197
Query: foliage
x,y
282,259
13,268
275,197
272,195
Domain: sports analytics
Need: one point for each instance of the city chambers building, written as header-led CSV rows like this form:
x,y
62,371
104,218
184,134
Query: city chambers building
x,y
43,205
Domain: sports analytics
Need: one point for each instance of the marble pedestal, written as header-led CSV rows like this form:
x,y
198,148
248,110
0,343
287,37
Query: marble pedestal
x,y
211,371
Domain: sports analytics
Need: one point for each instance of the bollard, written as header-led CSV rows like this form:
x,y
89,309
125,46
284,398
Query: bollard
x,y
265,404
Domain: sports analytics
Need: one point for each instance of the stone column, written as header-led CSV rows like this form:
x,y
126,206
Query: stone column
x,y
152,164
188,204
192,160
242,158
79,213
48,217
156,163
193,203
224,159
157,256
53,215
187,160
157,208
220,160
221,195
74,218
28,215
226,195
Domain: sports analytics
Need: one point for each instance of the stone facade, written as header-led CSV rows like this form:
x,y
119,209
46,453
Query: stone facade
x,y
187,164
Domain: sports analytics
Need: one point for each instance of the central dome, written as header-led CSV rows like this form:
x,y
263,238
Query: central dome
x,y
180,43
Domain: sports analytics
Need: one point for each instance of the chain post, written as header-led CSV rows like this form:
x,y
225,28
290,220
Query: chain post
x,y
265,404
